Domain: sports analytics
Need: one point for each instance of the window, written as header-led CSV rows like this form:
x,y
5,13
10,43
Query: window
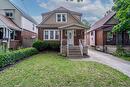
x,y
33,27
109,37
46,35
12,35
9,13
91,33
61,17
58,17
1,33
51,35
56,34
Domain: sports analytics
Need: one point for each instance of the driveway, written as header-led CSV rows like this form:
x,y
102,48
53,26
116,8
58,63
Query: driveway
x,y
107,59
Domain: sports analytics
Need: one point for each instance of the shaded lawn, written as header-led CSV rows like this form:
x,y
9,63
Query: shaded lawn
x,y
125,58
51,70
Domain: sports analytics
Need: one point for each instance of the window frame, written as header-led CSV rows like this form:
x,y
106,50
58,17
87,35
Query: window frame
x,y
61,17
9,12
54,34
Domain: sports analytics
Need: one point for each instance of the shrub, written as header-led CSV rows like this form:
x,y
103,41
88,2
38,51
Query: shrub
x,y
53,45
120,52
39,45
47,45
14,56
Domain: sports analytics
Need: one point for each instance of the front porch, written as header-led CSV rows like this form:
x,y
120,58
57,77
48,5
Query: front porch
x,y
9,38
72,39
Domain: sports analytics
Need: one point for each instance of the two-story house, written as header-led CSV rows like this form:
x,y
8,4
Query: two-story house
x,y
16,27
65,27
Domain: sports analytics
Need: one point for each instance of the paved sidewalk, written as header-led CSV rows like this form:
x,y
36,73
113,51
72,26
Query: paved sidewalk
x,y
107,59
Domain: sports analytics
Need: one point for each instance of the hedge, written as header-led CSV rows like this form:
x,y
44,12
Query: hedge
x,y
14,56
47,45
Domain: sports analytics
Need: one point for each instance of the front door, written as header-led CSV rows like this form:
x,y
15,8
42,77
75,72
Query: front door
x,y
70,37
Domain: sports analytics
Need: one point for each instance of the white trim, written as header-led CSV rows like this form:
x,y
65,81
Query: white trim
x,y
72,32
61,17
54,36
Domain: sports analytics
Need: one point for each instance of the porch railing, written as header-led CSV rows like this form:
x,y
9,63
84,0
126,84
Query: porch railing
x,y
81,46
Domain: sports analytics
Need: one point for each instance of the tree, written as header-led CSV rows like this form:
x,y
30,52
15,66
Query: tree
x,y
122,8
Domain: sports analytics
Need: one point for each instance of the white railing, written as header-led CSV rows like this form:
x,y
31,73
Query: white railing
x,y
81,47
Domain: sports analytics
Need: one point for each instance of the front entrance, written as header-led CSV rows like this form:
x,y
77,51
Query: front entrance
x,y
70,37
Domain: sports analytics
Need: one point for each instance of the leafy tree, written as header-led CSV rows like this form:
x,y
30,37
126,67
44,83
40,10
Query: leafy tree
x,y
122,8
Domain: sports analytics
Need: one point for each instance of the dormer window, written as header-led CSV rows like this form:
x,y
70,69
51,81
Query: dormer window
x,y
9,13
61,17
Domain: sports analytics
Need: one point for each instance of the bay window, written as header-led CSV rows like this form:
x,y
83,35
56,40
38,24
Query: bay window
x,y
51,35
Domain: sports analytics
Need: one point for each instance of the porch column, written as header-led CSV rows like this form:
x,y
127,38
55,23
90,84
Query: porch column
x,y
61,39
9,37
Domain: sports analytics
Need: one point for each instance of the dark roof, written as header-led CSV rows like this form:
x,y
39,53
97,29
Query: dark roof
x,y
102,21
24,14
9,23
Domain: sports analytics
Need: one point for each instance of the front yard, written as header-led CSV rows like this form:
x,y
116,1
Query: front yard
x,y
51,70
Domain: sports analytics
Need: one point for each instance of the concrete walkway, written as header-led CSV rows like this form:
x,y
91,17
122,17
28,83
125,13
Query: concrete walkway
x,y
107,59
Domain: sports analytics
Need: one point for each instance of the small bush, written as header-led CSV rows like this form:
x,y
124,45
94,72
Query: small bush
x,y
47,45
120,52
14,56
39,45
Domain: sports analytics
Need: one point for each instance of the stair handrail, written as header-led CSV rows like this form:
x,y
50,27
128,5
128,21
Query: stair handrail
x,y
81,46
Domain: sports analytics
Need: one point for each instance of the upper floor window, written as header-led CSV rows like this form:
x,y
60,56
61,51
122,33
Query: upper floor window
x,y
61,17
33,27
9,13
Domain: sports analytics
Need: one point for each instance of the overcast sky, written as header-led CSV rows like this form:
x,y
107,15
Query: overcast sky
x,y
92,10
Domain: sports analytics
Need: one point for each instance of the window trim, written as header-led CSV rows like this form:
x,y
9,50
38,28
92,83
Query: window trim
x,y
9,11
61,17
54,34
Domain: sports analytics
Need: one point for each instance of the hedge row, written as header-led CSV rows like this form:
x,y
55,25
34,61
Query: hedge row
x,y
47,45
14,56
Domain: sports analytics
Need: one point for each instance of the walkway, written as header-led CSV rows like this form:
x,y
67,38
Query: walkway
x,y
107,59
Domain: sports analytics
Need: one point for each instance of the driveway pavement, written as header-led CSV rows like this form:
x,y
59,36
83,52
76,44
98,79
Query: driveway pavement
x,y
107,59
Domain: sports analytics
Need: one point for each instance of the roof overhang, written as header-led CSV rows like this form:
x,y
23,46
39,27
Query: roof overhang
x,y
73,26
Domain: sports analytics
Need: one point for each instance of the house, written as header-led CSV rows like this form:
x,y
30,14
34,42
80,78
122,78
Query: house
x,y
101,37
16,27
65,27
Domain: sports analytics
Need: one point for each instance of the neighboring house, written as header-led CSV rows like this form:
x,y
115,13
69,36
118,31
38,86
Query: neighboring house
x,y
101,37
16,27
65,27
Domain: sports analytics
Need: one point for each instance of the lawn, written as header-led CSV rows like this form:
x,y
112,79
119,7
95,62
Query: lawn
x,y
51,70
125,58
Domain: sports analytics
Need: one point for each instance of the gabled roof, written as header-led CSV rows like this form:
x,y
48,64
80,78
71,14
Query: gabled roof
x,y
23,13
102,21
9,23
61,9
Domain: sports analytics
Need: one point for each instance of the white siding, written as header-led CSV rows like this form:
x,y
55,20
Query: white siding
x,y
28,25
5,4
92,38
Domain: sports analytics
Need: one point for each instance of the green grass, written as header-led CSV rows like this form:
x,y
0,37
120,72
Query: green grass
x,y
125,58
51,70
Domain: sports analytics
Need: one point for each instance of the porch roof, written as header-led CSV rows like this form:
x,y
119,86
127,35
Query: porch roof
x,y
9,23
73,26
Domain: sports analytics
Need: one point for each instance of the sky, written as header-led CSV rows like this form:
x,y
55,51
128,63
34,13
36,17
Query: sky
x,y
92,10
